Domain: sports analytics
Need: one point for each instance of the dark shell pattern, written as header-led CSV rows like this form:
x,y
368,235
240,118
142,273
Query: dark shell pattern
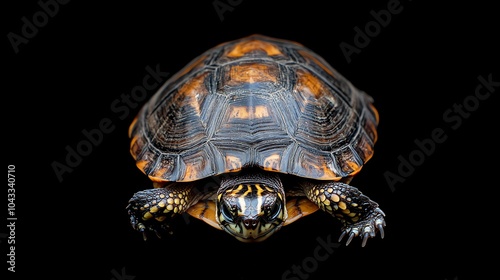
x,y
255,102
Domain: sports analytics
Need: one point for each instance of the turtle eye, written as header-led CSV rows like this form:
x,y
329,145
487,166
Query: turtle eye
x,y
273,211
227,212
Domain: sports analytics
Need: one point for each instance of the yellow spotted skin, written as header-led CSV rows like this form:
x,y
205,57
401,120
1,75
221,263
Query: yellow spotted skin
x,y
360,215
254,204
337,201
148,207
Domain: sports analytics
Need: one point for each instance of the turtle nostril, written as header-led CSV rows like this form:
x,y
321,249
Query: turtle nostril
x,y
250,223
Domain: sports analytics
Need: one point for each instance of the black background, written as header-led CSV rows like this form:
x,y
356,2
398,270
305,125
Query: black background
x,y
440,220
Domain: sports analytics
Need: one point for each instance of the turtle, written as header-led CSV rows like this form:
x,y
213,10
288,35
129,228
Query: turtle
x,y
252,135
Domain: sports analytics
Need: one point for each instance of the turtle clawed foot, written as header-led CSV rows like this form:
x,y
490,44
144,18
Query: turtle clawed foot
x,y
160,230
141,221
366,228
134,221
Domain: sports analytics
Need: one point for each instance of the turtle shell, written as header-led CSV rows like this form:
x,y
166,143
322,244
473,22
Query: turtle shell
x,y
255,102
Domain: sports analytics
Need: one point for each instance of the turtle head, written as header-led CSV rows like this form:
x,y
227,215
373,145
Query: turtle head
x,y
251,207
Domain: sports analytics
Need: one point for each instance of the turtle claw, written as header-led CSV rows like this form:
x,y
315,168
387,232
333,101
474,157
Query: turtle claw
x,y
381,230
158,234
134,222
342,235
368,227
144,235
365,238
351,236
143,229
138,226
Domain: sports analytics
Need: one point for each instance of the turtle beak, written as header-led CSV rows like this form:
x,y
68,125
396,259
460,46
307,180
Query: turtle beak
x,y
255,231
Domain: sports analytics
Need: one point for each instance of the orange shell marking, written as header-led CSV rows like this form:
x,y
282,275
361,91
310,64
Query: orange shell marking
x,y
252,73
233,163
192,172
191,88
272,162
141,164
253,45
328,174
308,83
133,147
131,126
158,175
245,112
375,112
315,60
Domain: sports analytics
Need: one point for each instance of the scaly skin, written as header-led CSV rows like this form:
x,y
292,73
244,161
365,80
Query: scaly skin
x,y
148,209
153,209
360,215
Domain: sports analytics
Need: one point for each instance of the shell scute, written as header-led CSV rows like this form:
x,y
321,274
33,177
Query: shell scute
x,y
255,102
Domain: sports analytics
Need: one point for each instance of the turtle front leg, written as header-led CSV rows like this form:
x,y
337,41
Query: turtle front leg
x,y
360,215
150,209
